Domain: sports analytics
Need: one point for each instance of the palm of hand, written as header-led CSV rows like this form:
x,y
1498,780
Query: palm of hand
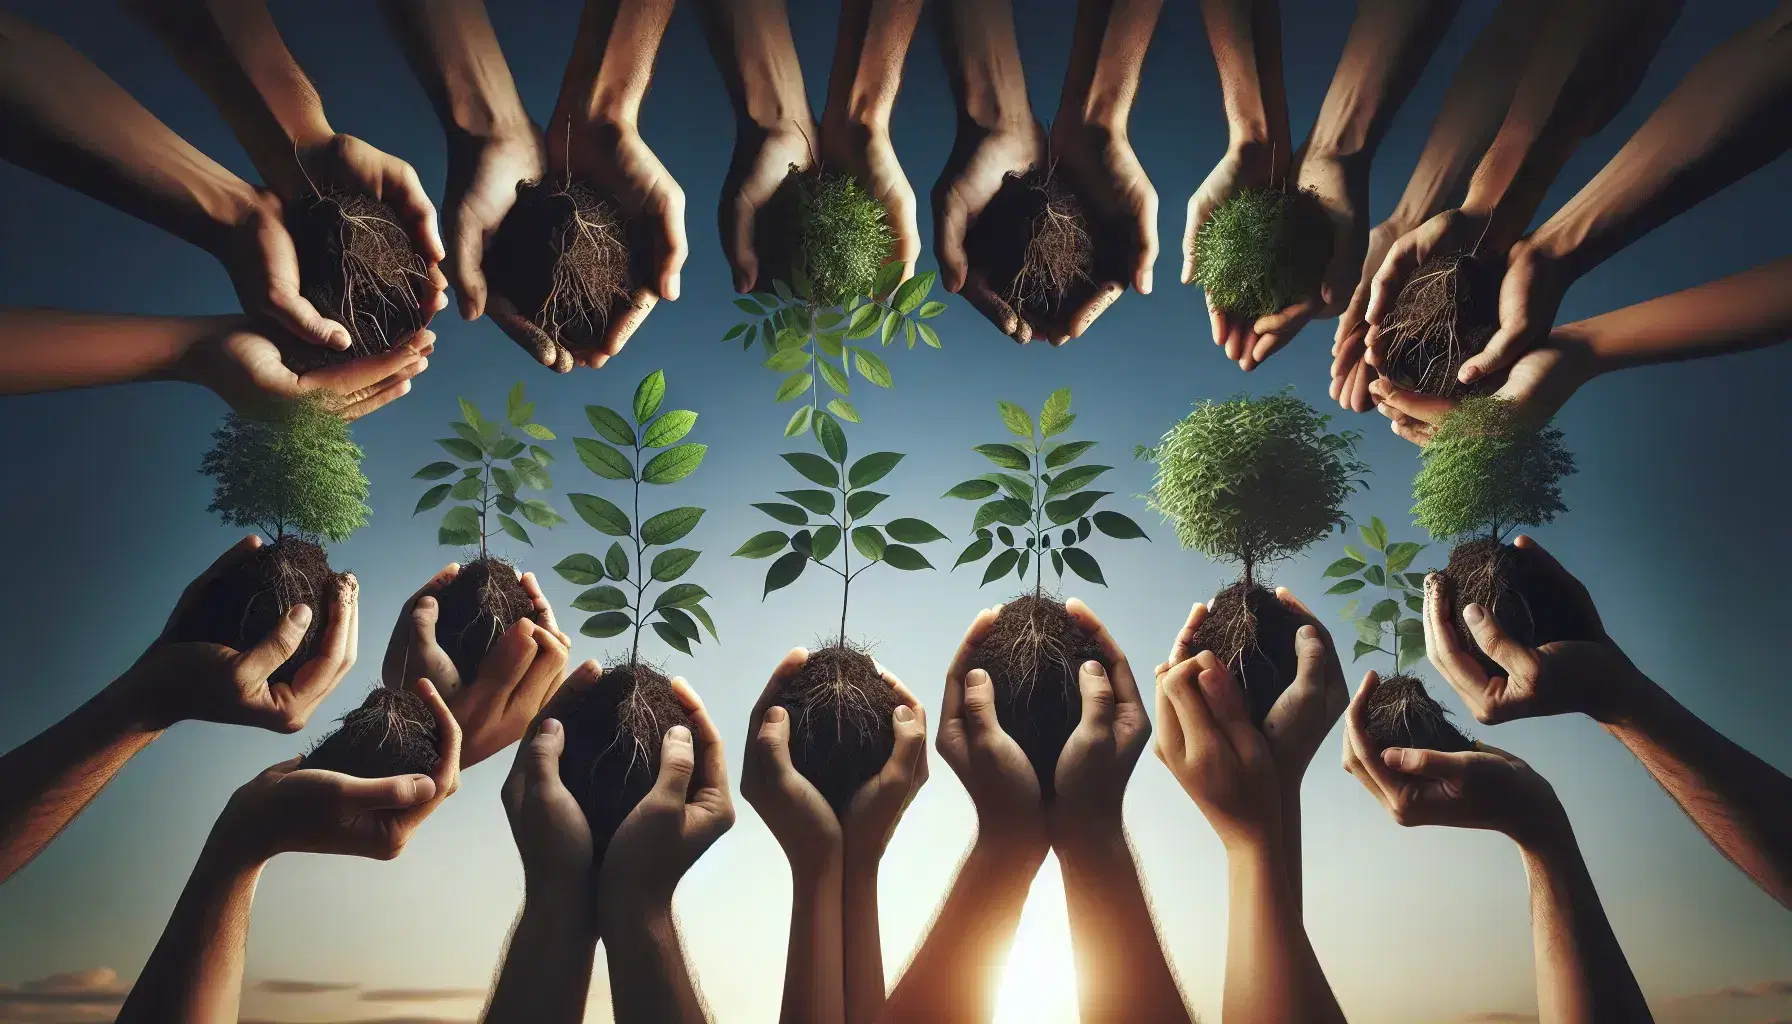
x,y
209,686
1107,170
795,811
994,157
549,828
996,773
1238,170
481,189
1298,722
619,161
869,154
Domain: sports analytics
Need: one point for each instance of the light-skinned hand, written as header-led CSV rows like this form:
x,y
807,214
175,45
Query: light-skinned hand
x,y
873,812
993,768
1351,373
192,681
763,158
483,173
1098,758
797,814
1206,738
688,809
1246,165
287,809
1107,175
1537,385
244,368
550,829
864,151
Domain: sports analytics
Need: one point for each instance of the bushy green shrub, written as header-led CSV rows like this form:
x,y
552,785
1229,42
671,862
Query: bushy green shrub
x,y
1262,250
1487,471
844,236
290,470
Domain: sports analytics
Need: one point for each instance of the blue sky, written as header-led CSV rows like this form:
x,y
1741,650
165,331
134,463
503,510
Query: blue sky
x,y
1677,526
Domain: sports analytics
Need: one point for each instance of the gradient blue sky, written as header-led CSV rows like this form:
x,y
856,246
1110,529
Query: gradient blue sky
x,y
1678,526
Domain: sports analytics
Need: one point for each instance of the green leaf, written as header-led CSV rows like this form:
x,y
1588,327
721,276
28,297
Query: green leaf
x,y
673,464
505,503
763,545
901,556
1351,550
794,385
680,623
1342,567
1349,586
824,542
466,488
1074,507
1409,628
462,449
1084,565
606,624
432,497
799,421
610,424
832,438
1409,656
516,409
1018,421
888,277
803,541
819,502
539,513
869,542
531,474
975,550
1004,455
814,468
1375,576
1066,453
872,468
670,525
792,514
788,359
460,521
860,503
736,331
434,471
1401,555
583,570
600,514
1018,487
1417,604
515,529
834,377
541,455
600,599
928,335
672,637
616,562
784,571
1074,479
669,429
649,394
672,563
913,291
1361,648
872,367
912,531
888,330
603,460
1415,580
1020,571
1117,526
681,595
538,432
507,448
930,309
1375,534
1055,417
502,477
843,409
973,490
864,322
999,566
702,616
1384,611
749,307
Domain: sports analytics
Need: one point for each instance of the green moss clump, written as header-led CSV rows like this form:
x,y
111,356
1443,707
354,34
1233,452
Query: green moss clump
x,y
843,236
290,470
1486,471
1262,251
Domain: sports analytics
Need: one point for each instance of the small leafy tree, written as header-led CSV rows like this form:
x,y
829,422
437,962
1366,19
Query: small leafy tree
x,y
495,466
808,336
1042,489
1384,627
292,471
1253,480
622,452
841,512
1486,471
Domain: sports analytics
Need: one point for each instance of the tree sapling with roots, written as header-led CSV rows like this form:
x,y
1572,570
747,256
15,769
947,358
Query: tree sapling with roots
x,y
561,259
1444,316
1035,649
614,729
359,267
1034,243
393,732
1486,472
294,473
495,465
1253,480
839,704
1262,251
1401,712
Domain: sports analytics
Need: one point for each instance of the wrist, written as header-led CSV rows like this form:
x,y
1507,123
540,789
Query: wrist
x,y
1547,836
1009,844
1093,849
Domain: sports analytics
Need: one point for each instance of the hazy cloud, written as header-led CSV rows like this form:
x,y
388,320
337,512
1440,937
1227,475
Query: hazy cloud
x,y
73,997
419,995
297,987
1735,993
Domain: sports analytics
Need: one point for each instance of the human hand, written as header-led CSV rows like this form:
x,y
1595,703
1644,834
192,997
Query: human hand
x,y
993,768
412,649
1351,372
1222,760
873,812
1102,167
244,367
483,173
550,829
287,809
687,810
1537,386
864,151
797,814
1246,165
1484,788
192,681
1452,231
258,253
1098,758
1591,677
762,160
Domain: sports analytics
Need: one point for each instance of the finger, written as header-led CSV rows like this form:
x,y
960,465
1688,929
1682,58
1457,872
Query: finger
x,y
375,402
1516,658
231,556
1126,688
1443,648
994,308
1502,350
541,758
739,219
395,793
674,246
1368,756
952,702
543,611
1225,701
1425,408
1184,646
1085,315
910,748
1402,259
786,670
1197,215
260,661
1433,764
357,375
712,767
424,615
585,676
1180,687
622,328
678,760
1360,379
769,746
530,338
543,677
447,770
1560,576
951,220
335,651
1097,695
405,193
1146,227
1286,323
465,271
980,704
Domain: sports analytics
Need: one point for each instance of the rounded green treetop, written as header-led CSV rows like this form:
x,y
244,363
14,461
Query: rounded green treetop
x,y
1487,471
1253,480
1262,251
291,470
844,236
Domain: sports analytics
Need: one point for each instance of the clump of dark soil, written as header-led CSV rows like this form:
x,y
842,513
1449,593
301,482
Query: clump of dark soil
x,y
1252,633
1263,250
840,726
1515,586
1444,316
393,732
1033,653
240,606
482,601
614,729
562,259
826,227
357,265
1033,241
1403,714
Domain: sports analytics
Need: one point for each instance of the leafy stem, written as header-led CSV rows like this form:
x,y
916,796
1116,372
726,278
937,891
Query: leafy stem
x,y
1384,627
495,465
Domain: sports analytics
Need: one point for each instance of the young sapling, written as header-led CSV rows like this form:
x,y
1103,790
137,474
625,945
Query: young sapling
x,y
359,267
1262,251
495,466
1038,507
1253,481
614,729
294,473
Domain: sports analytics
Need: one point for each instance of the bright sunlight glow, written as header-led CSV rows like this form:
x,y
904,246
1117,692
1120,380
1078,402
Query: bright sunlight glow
x,y
1039,979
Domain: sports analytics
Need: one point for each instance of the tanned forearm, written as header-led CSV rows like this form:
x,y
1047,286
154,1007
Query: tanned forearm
x,y
454,53
814,971
1749,310
650,983
869,52
983,64
195,974
1389,44
862,934
612,60
1246,37
1738,800
55,350
1121,971
1582,976
52,778
1723,121
752,46
1107,56
1272,974
546,976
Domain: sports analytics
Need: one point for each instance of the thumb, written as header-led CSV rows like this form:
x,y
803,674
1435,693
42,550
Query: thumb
x,y
543,762
424,615
1432,764
1098,696
678,759
396,793
1506,652
980,704
910,746
1309,657
773,739
274,650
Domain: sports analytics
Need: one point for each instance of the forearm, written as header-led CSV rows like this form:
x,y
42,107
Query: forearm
x,y
1271,971
612,60
983,63
814,978
233,49
55,350
1107,56
650,982
1744,311
1121,971
1389,44
64,119
752,46
52,778
869,51
1722,122
1738,800
1581,971
862,942
454,53
195,974
1291,848
953,974
1246,37
546,975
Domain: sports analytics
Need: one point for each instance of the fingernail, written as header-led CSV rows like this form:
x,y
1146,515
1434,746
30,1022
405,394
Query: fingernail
x,y
426,602
1470,374
550,727
776,713
978,677
1308,633
904,714
299,614
680,733
1473,614
672,287
1094,668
